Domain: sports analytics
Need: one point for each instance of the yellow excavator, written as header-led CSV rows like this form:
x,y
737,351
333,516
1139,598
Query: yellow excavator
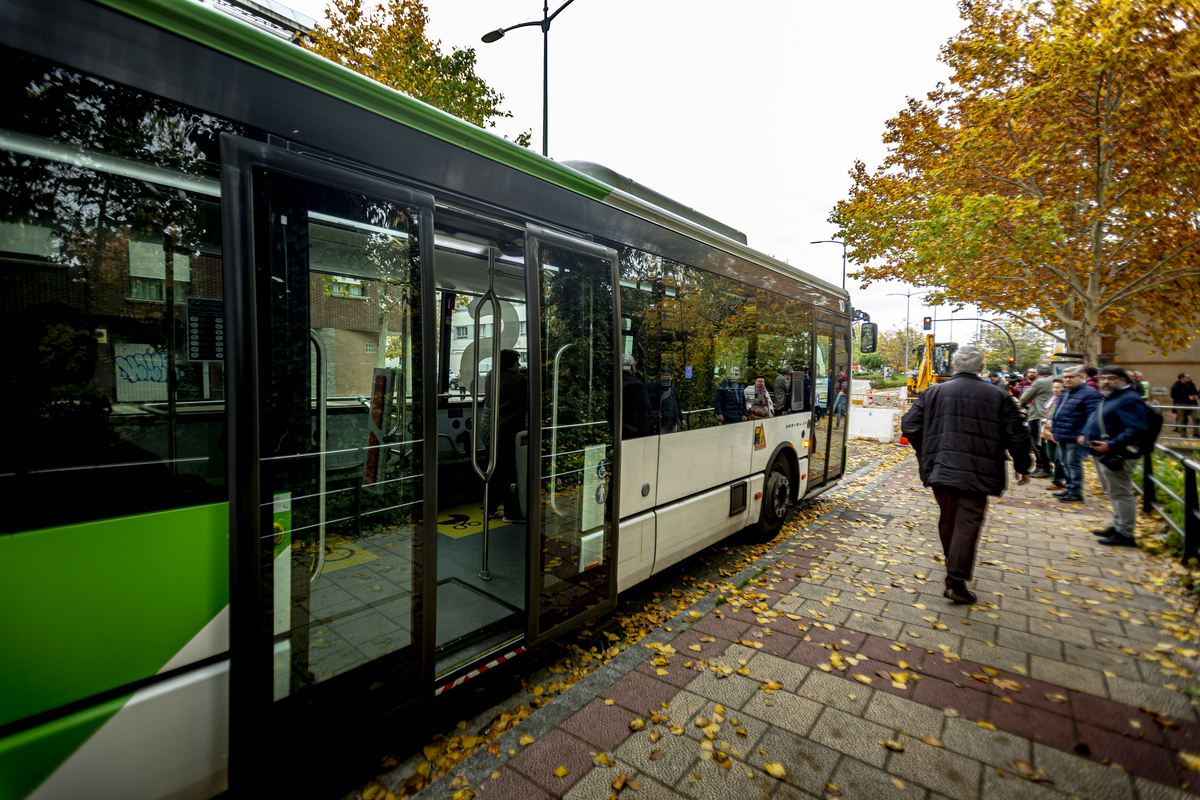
x,y
935,365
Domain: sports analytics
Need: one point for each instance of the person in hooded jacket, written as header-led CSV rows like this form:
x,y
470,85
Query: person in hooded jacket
x,y
960,430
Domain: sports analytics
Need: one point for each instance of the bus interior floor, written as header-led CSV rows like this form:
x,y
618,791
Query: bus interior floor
x,y
466,601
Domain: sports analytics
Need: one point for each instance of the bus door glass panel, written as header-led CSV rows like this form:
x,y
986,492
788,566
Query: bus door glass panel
x,y
841,372
482,557
576,490
341,448
823,406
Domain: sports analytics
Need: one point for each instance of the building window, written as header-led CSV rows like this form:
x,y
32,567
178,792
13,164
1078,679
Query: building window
x,y
148,272
460,331
348,287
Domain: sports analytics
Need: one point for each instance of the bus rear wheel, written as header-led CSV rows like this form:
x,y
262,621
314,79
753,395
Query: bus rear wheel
x,y
776,499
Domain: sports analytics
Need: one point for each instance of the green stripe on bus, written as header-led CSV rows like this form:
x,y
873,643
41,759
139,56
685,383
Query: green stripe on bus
x,y
94,606
227,35
29,757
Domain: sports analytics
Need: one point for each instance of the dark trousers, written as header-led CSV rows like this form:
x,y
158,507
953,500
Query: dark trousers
x,y
959,526
1035,436
499,488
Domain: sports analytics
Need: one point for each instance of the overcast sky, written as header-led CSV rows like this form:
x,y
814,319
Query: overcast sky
x,y
752,112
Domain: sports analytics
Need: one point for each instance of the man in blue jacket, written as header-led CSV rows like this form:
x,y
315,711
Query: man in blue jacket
x,y
730,400
1075,405
1114,434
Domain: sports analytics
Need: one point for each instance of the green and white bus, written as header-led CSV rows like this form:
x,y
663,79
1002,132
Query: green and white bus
x,y
245,508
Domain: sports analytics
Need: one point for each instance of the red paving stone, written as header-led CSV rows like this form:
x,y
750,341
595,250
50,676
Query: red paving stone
x,y
969,703
1139,757
1033,724
639,692
1108,714
510,785
603,726
677,675
539,761
729,628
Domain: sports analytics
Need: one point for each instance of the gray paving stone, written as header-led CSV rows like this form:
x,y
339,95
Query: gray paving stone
x,y
999,657
1068,676
903,715
996,748
941,770
685,706
809,765
979,631
832,690
1102,660
1045,646
1153,790
1136,693
648,789
1078,776
851,735
888,628
731,691
784,710
859,781
1142,633
678,754
1000,618
1064,633
1013,786
706,781
596,783
728,737
788,673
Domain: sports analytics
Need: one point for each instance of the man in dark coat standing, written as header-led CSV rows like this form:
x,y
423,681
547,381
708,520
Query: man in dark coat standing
x,y
960,431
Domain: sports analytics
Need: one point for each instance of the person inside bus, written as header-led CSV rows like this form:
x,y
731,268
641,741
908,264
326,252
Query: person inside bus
x,y
730,400
841,391
664,402
635,403
783,390
761,406
510,419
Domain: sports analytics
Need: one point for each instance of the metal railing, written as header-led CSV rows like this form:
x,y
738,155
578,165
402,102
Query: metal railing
x,y
1151,486
1192,427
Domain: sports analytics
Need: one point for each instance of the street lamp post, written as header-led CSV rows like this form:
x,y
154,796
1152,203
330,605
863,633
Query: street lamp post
x,y
907,303
547,18
843,244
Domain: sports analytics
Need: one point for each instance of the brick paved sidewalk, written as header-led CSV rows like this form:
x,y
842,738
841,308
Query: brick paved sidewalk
x,y
842,641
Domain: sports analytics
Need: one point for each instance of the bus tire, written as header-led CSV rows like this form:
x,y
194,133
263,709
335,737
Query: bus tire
x,y
776,499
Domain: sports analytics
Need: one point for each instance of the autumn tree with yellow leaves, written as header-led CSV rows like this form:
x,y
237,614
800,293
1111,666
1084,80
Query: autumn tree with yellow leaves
x,y
387,43
1055,179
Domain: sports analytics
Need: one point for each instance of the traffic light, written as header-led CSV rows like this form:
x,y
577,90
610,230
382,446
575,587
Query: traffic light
x,y
1011,363
929,323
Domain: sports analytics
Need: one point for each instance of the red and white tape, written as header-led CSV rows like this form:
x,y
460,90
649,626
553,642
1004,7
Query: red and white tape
x,y
459,681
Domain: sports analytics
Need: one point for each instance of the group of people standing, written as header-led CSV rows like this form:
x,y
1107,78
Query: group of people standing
x,y
962,429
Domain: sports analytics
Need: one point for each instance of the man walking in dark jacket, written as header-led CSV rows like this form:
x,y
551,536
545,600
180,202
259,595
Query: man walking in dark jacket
x,y
1075,405
960,431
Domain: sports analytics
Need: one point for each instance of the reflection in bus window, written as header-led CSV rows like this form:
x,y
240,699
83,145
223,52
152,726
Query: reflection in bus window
x,y
113,294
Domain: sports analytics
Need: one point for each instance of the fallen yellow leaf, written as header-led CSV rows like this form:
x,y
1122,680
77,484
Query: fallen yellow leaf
x,y
561,771
775,770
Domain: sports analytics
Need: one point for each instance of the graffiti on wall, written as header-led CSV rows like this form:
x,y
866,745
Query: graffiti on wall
x,y
141,373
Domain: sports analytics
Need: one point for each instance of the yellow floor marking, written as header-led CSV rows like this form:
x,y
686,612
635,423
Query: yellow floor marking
x,y
344,554
466,520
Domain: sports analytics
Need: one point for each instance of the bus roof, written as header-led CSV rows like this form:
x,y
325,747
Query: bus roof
x,y
227,34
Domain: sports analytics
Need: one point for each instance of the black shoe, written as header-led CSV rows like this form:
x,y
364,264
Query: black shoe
x,y
960,595
1062,494
1041,473
1070,498
1102,532
1119,540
